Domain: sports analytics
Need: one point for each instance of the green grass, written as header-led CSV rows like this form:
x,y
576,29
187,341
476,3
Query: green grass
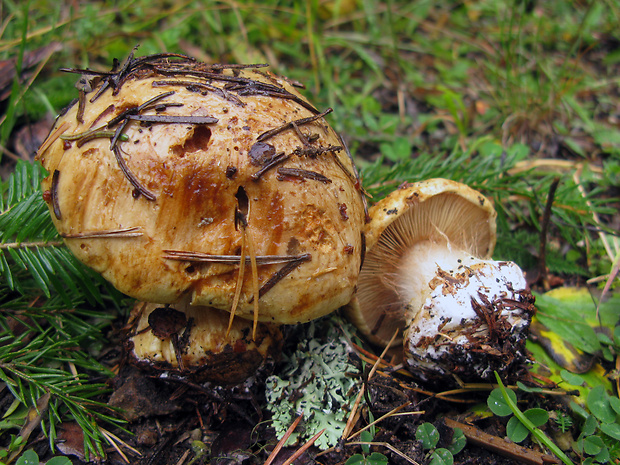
x,y
473,91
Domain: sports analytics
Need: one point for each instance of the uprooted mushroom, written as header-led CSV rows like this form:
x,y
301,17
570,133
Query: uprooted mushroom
x,y
202,186
428,280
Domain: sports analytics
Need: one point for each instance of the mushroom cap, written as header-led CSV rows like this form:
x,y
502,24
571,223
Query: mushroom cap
x,y
198,194
431,210
206,351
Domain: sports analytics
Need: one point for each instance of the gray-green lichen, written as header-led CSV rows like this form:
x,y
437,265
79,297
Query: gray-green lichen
x,y
319,381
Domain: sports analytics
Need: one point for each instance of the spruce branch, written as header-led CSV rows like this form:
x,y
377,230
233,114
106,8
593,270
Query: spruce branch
x,y
51,316
43,353
34,244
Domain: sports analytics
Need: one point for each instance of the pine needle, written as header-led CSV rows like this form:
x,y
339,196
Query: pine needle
x,y
238,285
276,450
255,288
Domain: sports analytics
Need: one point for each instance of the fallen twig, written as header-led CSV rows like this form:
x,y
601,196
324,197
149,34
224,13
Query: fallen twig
x,y
501,446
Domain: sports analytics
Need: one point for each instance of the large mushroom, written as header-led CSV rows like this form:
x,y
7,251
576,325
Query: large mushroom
x,y
190,185
429,279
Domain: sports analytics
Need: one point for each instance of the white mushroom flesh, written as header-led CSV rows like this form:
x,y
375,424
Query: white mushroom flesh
x,y
465,305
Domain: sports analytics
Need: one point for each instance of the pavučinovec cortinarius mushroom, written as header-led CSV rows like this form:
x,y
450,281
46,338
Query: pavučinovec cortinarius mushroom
x,y
207,186
429,278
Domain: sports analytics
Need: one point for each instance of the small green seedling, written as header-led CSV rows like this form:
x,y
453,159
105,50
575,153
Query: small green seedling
x,y
375,458
367,458
599,439
515,429
429,436
14,448
563,420
503,402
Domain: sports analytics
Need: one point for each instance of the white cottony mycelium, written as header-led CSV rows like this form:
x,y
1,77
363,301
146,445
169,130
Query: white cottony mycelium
x,y
428,283
458,304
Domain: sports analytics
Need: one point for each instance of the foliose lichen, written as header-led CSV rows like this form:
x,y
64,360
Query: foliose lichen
x,y
318,380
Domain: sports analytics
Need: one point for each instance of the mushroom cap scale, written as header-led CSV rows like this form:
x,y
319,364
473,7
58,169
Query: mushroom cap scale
x,y
222,156
436,211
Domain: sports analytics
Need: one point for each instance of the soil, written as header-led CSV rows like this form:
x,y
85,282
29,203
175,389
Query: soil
x,y
177,421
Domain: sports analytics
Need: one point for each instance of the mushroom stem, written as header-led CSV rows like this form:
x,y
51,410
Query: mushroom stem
x,y
458,303
429,264
420,265
194,341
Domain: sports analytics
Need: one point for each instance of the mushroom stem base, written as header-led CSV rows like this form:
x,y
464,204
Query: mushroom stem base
x,y
474,322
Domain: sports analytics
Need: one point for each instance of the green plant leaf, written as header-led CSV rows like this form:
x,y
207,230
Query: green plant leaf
x,y
593,445
441,456
516,431
603,456
428,434
579,410
537,416
615,404
617,335
357,459
526,388
537,433
58,461
572,378
376,458
611,429
608,139
604,339
599,405
458,441
399,149
29,457
589,426
498,404
366,436
565,319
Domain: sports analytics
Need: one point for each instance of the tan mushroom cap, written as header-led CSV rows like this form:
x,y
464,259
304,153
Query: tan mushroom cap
x,y
435,209
295,187
205,350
